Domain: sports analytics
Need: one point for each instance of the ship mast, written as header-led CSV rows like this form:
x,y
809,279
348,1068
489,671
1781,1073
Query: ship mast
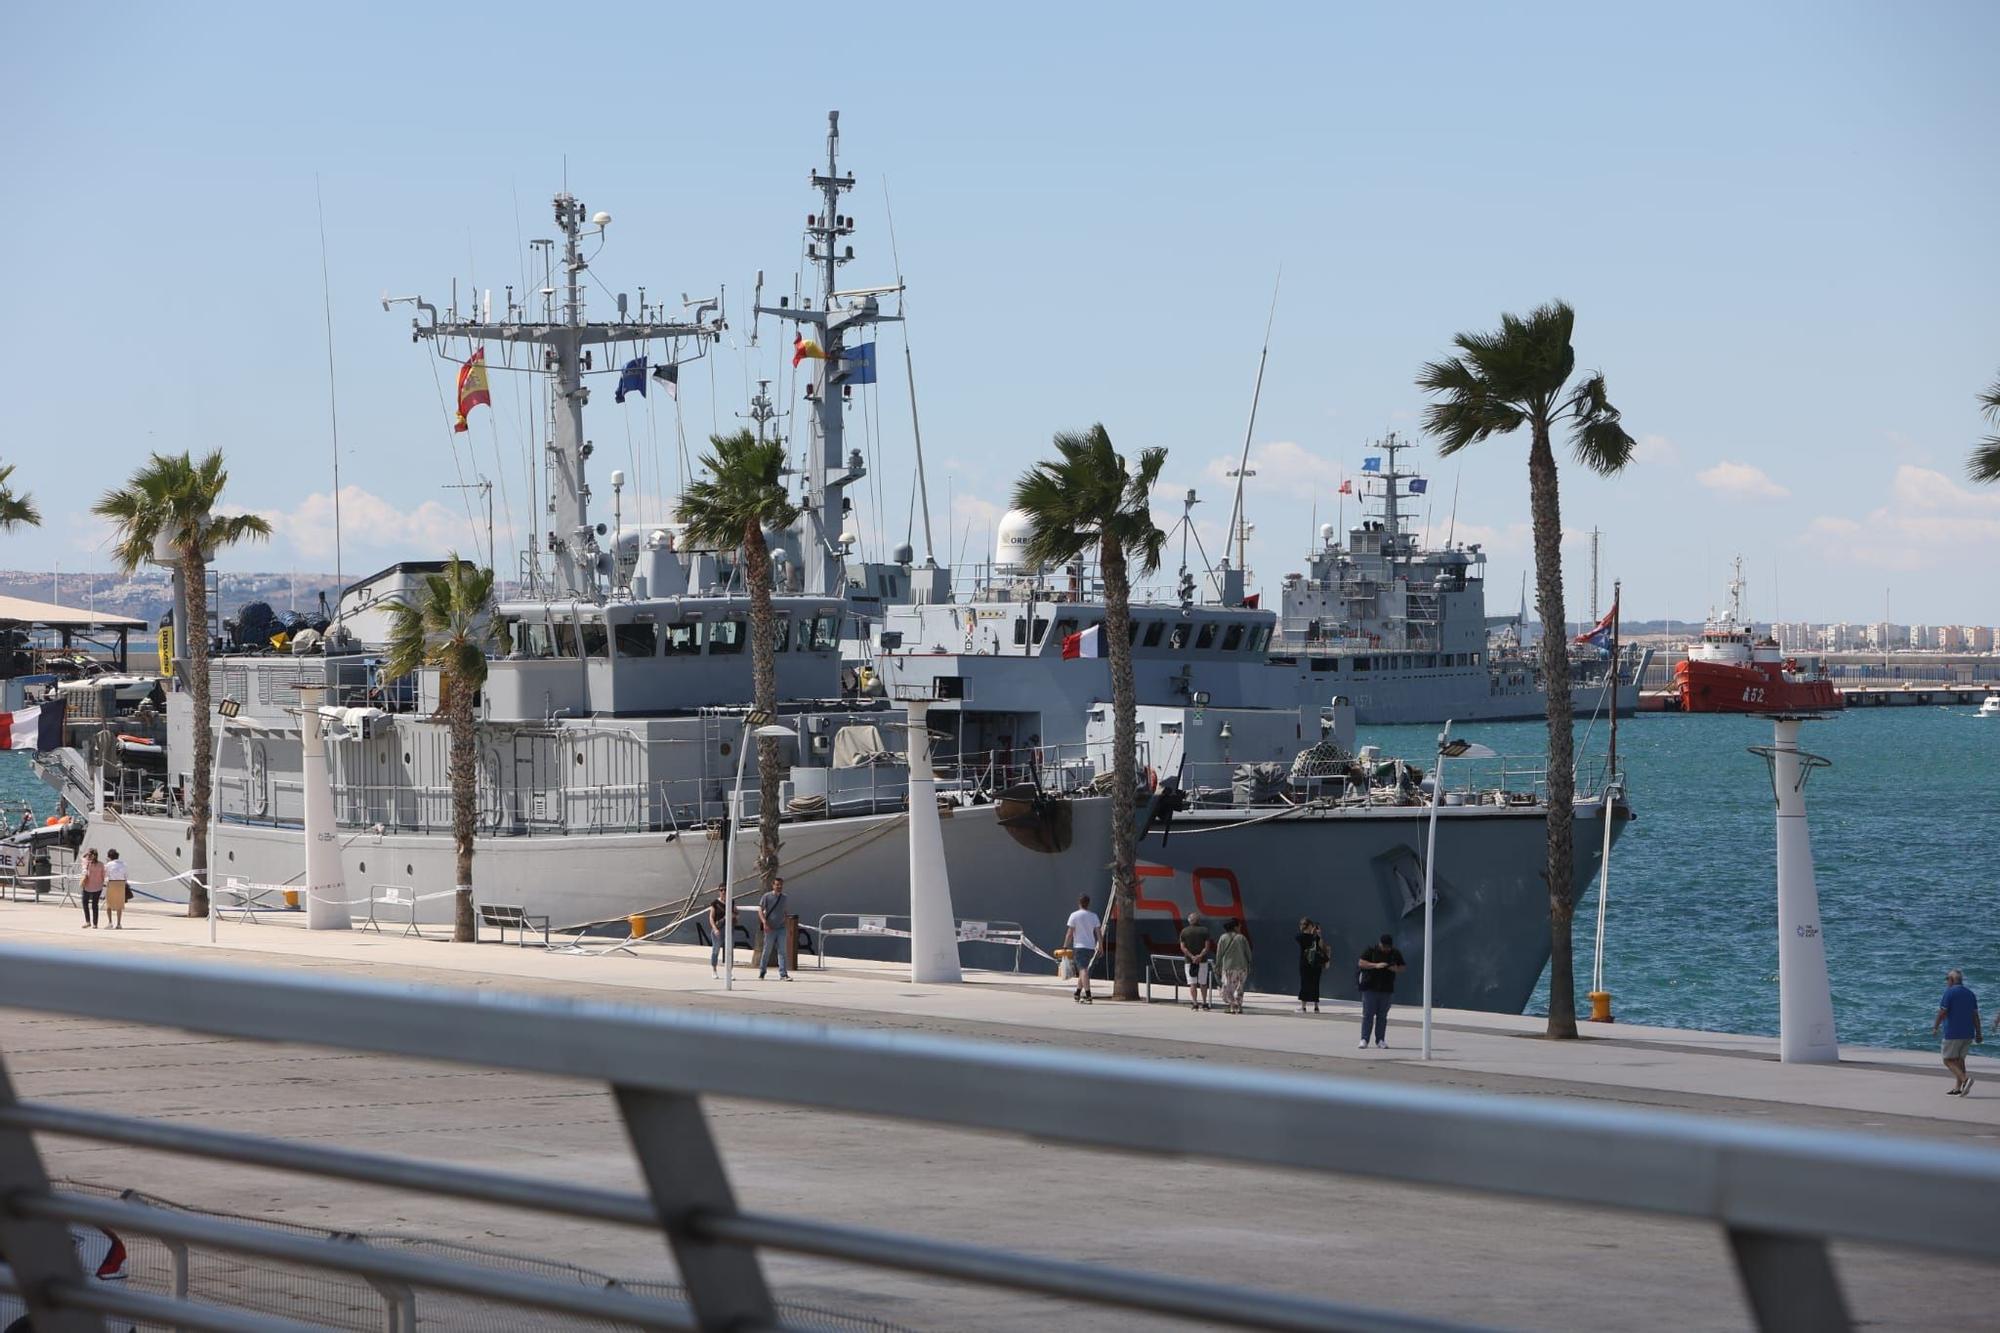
x,y
828,474
567,342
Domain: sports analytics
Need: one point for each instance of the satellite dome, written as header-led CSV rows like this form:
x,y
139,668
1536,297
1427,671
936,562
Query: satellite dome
x,y
1326,532
904,554
1010,543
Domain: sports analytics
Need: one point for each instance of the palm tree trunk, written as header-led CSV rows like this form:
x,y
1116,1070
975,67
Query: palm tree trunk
x,y
764,689
1546,503
194,573
464,799
1124,767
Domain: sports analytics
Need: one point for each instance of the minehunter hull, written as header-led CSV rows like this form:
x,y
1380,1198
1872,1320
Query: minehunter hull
x,y
1718,687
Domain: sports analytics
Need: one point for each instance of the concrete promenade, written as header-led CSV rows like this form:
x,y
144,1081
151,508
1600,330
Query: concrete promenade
x,y
1450,1255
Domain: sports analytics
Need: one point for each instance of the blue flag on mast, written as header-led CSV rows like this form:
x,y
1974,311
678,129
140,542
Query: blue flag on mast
x,y
1372,464
1418,485
633,380
857,365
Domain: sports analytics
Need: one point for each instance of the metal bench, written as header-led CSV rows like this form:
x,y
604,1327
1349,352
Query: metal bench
x,y
1167,969
506,918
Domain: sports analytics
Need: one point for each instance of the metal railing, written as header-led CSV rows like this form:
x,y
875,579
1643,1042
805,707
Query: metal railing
x,y
863,925
1780,1193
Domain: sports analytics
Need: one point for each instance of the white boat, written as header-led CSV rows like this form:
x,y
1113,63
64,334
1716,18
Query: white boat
x,y
1990,706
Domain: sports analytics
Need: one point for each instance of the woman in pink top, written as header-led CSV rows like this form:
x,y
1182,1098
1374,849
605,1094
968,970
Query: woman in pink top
x,y
93,888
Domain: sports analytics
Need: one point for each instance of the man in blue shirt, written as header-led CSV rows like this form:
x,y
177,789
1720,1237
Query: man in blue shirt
x,y
1958,1016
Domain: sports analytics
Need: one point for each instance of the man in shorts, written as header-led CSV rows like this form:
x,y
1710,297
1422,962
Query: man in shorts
x,y
1198,949
1958,1016
1081,941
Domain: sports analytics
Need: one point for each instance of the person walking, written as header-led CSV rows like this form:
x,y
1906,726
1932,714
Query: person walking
x,y
1198,950
1080,938
1380,962
92,878
1958,1016
771,920
117,888
718,932
1313,958
1232,957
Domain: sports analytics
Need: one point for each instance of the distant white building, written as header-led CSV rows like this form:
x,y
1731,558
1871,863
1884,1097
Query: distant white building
x,y
1979,638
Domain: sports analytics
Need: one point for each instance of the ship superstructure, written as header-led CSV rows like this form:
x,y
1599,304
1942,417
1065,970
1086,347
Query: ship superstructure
x,y
1403,626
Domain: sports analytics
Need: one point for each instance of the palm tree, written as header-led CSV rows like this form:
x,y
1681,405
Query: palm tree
x,y
1086,500
730,508
16,510
1985,463
1500,382
449,627
169,504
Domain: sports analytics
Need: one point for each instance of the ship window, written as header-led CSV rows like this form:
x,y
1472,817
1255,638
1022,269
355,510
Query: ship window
x,y
1170,728
1021,632
1041,628
1206,639
1132,633
781,633
726,636
536,640
1364,664
1232,638
683,640
637,640
826,637
1064,628
1260,638
1430,660
565,639
1153,630
1179,638
595,642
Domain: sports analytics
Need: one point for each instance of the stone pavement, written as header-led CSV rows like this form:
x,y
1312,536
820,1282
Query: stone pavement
x,y
1445,1254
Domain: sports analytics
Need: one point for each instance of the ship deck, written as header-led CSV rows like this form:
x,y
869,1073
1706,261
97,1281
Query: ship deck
x,y
1298,1234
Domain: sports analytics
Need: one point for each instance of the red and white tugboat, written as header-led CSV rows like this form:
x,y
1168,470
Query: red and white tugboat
x,y
1731,671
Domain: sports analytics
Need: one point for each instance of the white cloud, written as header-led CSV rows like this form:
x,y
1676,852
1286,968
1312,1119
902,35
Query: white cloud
x,y
1740,481
1656,450
368,523
1281,467
1929,522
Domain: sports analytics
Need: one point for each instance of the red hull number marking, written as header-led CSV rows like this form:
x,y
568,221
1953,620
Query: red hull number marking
x,y
1168,904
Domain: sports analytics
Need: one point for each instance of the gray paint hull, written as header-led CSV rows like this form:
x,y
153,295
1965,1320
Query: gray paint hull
x,y
1358,872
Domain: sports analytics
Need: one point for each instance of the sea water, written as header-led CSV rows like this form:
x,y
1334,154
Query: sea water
x,y
1906,844
1906,849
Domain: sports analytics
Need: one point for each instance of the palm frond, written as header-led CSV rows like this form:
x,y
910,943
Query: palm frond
x,y
448,626
1599,441
1985,462
1088,496
744,485
16,510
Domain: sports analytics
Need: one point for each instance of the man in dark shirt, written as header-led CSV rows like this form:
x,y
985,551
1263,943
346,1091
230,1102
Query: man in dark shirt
x,y
1379,965
771,920
1198,949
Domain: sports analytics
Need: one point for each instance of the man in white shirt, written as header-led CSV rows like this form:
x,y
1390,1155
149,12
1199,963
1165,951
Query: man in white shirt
x,y
1081,940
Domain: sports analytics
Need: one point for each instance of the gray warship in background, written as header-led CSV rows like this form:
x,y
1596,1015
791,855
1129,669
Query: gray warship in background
x,y
609,729
1406,628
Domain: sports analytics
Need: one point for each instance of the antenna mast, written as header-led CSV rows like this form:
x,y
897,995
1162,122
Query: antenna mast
x,y
828,472
566,341
1237,527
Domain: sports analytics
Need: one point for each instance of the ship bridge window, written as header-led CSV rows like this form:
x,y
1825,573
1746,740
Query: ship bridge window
x,y
536,639
1154,628
565,639
1206,638
1179,638
1260,638
637,640
726,636
781,634
1064,628
1232,638
825,633
596,643
683,640
1364,664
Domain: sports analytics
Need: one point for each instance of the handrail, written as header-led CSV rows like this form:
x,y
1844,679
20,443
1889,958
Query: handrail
x,y
1780,1193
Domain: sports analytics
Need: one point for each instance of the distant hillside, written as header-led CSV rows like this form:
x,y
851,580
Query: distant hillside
x,y
148,596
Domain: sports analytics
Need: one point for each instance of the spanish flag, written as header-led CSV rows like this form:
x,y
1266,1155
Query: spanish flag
x,y
472,390
803,347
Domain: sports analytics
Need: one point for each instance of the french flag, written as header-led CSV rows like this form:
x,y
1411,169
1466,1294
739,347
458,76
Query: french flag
x,y
21,730
1085,643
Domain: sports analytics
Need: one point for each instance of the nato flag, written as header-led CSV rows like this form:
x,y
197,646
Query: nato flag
x,y
857,364
1418,485
1372,464
633,380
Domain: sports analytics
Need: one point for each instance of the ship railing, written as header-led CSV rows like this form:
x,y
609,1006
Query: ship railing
x,y
1779,1195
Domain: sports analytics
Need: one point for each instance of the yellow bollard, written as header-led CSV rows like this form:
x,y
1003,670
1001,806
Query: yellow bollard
x,y
1600,1007
291,900
637,922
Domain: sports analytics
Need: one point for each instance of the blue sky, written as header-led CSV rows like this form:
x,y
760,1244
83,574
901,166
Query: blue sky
x,y
1776,223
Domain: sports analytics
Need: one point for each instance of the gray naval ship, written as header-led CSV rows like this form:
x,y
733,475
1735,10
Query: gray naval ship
x,y
1406,625
609,727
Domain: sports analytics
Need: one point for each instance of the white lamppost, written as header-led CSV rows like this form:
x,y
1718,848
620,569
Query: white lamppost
x,y
756,725
1447,749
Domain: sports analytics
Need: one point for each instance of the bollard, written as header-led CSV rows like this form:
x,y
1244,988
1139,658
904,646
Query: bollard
x,y
791,942
1600,1007
637,921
